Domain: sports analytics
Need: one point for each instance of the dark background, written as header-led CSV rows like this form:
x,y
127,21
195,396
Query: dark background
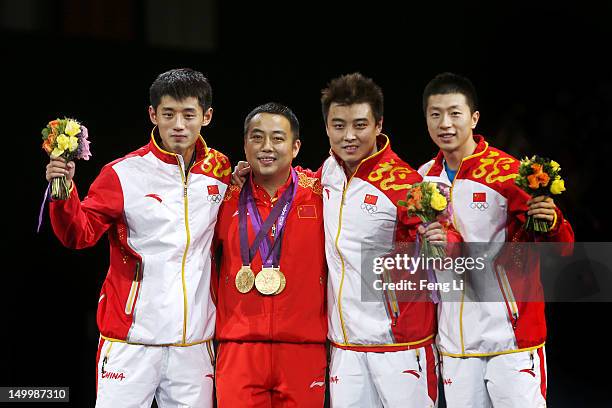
x,y
541,69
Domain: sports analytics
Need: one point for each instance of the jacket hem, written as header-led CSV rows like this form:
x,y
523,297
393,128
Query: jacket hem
x,y
156,345
494,353
378,348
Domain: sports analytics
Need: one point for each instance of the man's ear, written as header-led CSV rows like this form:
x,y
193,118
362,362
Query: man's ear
x,y
152,115
475,117
207,117
379,125
296,147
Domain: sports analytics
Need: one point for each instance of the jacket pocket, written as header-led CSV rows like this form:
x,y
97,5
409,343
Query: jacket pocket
x,y
509,299
131,300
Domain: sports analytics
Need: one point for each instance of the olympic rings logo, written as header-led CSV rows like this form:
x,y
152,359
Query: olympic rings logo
x,y
215,198
369,208
480,206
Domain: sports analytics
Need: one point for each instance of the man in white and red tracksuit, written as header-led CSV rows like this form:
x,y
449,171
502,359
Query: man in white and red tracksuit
x,y
272,345
159,206
492,351
382,351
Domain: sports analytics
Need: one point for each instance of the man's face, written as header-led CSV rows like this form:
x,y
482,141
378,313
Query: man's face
x,y
450,122
352,131
179,122
269,146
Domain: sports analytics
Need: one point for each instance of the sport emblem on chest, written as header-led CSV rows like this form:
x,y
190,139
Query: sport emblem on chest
x,y
479,201
369,203
213,194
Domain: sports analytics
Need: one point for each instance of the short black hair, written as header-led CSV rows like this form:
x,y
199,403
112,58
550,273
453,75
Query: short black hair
x,y
448,83
350,89
275,109
181,83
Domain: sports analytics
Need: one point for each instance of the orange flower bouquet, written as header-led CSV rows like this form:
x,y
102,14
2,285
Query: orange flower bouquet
x,y
539,176
429,202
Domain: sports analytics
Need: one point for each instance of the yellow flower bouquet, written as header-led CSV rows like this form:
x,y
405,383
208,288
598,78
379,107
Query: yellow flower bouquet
x,y
539,176
65,138
429,202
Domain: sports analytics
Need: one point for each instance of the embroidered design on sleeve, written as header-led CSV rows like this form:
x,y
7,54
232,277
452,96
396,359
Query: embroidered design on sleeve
x,y
217,163
490,168
231,191
391,176
312,183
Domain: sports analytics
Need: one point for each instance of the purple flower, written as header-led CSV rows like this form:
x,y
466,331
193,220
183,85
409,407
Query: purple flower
x,y
83,150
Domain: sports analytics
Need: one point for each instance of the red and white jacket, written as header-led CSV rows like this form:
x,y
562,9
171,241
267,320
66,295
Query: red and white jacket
x,y
297,314
362,211
160,225
488,207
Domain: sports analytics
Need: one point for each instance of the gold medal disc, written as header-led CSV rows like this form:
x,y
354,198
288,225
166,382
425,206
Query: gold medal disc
x,y
245,278
267,281
283,281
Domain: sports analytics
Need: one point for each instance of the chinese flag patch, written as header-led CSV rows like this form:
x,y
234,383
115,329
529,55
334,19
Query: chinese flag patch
x,y
214,189
479,197
370,199
307,211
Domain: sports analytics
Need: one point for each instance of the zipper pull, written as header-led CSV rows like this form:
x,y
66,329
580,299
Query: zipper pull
x,y
515,321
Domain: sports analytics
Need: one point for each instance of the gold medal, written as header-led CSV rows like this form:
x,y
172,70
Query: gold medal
x,y
283,281
267,281
245,278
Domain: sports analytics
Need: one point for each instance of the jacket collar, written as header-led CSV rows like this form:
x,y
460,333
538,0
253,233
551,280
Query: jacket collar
x,y
260,194
481,146
171,158
366,165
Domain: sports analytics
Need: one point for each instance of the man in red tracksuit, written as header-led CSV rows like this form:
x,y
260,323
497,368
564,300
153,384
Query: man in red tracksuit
x,y
271,321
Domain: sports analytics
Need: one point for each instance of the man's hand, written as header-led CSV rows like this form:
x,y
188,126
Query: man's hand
x,y
434,233
542,207
241,171
58,167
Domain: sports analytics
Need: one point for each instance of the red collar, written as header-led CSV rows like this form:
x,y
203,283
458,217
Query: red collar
x,y
169,157
365,166
481,146
260,194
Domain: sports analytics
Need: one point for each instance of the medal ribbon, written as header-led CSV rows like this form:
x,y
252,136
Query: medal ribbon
x,y
278,214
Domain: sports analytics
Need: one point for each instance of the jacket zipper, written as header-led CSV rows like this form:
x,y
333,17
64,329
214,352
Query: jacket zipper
x,y
185,180
344,190
452,189
341,261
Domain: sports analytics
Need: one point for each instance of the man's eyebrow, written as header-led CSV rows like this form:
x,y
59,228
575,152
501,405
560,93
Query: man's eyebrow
x,y
167,108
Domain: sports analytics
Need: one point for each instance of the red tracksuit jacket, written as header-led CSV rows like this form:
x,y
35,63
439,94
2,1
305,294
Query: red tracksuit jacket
x,y
296,315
